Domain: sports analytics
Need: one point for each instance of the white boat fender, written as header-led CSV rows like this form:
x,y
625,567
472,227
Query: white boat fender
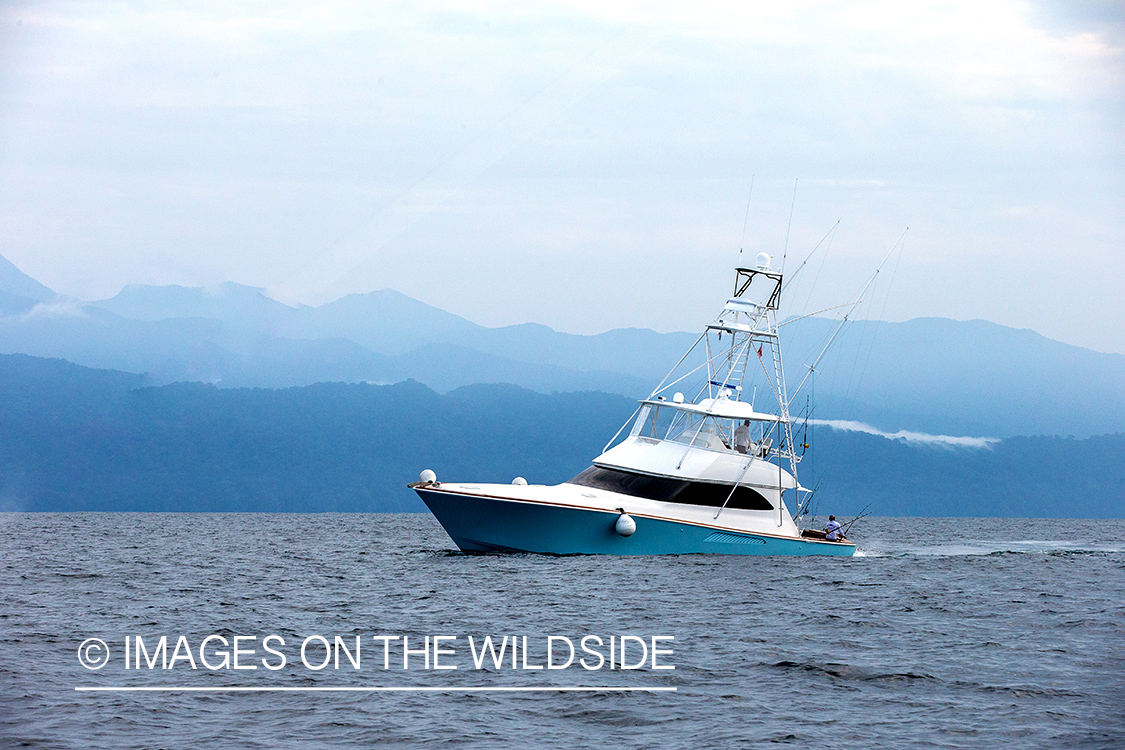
x,y
427,477
625,525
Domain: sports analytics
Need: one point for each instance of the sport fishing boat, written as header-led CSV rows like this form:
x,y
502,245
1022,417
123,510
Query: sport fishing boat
x,y
706,474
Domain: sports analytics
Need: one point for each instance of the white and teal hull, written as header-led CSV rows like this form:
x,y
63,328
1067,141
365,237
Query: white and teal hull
x,y
481,523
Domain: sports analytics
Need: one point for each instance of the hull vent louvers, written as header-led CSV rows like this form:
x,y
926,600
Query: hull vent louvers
x,y
728,538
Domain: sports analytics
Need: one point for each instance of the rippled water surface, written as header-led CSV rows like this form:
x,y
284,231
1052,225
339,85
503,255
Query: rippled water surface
x,y
942,633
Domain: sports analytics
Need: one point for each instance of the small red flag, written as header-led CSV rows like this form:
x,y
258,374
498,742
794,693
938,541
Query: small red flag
x,y
759,351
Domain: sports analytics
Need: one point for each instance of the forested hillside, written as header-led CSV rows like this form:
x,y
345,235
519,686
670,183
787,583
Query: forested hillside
x,y
73,438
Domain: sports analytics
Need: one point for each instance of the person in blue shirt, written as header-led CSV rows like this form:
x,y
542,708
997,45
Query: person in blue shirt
x,y
833,529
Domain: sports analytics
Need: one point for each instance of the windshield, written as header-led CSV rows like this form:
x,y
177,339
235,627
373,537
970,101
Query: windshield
x,y
700,431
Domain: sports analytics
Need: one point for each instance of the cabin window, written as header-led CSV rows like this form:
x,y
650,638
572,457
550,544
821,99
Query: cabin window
x,y
671,490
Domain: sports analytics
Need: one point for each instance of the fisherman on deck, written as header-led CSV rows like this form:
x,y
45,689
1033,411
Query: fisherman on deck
x,y
742,437
833,529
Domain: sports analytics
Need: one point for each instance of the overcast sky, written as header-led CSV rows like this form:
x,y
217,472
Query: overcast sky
x,y
582,165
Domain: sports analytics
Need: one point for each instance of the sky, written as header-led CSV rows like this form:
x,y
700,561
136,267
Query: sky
x,y
586,165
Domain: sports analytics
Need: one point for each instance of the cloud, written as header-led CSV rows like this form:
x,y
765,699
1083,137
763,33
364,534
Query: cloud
x,y
946,441
64,308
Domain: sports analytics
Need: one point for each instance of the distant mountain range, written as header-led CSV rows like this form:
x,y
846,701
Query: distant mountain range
x,y
931,374
73,438
18,291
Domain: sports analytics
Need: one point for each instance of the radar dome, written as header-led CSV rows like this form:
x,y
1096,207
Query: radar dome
x,y
764,261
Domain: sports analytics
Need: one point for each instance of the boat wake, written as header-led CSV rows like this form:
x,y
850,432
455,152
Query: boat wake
x,y
975,547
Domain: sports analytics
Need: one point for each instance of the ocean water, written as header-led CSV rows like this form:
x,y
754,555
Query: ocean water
x,y
941,633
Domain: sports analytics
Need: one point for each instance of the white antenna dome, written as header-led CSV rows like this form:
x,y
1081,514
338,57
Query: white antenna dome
x,y
764,261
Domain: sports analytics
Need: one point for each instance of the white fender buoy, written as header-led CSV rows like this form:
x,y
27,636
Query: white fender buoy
x,y
625,525
427,477
519,481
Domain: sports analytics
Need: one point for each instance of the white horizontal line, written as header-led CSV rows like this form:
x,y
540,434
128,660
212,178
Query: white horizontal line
x,y
392,689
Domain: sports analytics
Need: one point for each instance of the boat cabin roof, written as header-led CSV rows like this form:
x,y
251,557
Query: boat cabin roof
x,y
722,408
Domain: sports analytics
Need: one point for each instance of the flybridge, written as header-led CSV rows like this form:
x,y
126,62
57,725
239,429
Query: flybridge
x,y
722,408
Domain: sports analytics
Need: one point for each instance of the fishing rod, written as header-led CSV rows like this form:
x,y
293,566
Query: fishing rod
x,y
805,438
803,509
862,514
791,277
842,532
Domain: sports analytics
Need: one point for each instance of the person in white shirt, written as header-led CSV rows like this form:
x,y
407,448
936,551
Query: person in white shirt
x,y
742,437
833,529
